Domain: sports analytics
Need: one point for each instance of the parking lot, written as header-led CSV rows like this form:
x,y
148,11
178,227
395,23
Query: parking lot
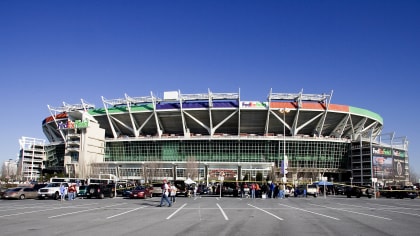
x,y
334,215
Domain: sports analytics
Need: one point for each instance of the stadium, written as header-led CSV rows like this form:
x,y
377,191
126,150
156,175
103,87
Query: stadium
x,y
291,137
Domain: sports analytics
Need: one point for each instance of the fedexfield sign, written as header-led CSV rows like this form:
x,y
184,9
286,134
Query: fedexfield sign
x,y
77,124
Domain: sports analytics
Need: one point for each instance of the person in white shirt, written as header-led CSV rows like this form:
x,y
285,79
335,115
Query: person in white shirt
x,y
195,190
165,194
173,193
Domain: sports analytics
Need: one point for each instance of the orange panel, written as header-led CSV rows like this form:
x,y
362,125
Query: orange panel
x,y
290,105
336,107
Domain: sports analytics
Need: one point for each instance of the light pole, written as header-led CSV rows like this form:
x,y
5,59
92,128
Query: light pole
x,y
324,179
284,111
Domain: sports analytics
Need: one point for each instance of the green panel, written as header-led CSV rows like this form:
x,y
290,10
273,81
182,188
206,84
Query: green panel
x,y
102,111
99,111
144,107
117,110
304,158
322,158
367,113
170,151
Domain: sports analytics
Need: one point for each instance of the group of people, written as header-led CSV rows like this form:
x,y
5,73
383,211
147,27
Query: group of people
x,y
270,190
70,191
168,194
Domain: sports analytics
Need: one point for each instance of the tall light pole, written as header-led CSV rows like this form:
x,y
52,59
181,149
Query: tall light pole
x,y
284,111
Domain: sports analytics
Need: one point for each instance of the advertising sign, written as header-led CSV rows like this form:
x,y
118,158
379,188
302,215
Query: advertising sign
x,y
77,124
253,105
388,163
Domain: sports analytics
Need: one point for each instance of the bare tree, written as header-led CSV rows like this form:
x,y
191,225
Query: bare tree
x,y
154,171
8,171
414,176
95,170
192,167
84,169
2,176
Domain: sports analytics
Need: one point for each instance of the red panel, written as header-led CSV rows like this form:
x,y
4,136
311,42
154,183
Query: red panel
x,y
310,106
59,116
313,106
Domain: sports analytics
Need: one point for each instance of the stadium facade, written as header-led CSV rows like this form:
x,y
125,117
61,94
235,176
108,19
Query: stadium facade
x,y
291,136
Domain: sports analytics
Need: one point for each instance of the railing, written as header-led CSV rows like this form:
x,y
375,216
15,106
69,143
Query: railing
x,y
229,136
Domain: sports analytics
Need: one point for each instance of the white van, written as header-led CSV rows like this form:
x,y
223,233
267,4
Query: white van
x,y
312,189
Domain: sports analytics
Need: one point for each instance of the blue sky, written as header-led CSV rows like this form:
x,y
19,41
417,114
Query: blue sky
x,y
367,52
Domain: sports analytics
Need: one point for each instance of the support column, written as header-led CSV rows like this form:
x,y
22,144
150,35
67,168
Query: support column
x,y
239,173
206,173
174,171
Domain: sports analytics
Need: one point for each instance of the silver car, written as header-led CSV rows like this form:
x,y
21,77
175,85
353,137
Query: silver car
x,y
20,193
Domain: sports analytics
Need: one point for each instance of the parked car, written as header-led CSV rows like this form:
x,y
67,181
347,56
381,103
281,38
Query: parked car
x,y
82,191
141,192
2,190
157,189
312,190
309,189
52,190
127,191
340,190
39,186
229,188
358,192
202,189
20,193
123,186
181,187
100,191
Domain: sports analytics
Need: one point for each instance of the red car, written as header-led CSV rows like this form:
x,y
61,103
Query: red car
x,y
141,192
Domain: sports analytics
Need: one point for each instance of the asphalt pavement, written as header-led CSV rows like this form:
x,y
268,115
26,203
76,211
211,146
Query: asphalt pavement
x,y
333,215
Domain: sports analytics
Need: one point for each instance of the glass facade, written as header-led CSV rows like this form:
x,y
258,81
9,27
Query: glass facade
x,y
303,156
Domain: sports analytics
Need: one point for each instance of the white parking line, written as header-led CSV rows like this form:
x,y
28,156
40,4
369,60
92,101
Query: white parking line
x,y
412,205
123,213
27,212
20,208
75,212
170,216
365,207
354,212
266,212
223,213
395,208
400,212
315,213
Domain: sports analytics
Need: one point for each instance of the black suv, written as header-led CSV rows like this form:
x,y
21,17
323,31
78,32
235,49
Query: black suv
x,y
228,188
358,192
181,187
100,191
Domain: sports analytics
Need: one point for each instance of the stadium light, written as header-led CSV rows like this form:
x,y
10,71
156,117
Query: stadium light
x,y
284,111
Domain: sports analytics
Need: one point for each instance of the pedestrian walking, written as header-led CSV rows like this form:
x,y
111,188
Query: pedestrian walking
x,y
62,192
173,193
165,194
